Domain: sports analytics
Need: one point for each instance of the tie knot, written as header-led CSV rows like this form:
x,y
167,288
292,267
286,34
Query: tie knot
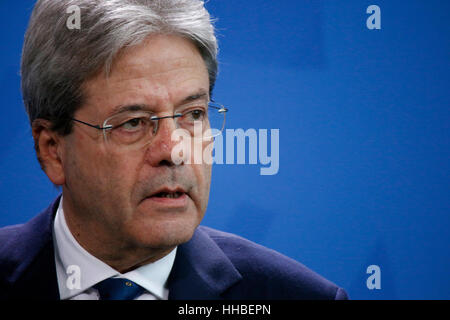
x,y
118,289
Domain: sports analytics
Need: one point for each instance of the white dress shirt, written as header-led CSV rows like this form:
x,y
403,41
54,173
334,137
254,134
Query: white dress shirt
x,y
78,271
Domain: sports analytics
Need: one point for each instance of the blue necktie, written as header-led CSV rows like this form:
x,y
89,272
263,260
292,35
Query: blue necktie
x,y
118,289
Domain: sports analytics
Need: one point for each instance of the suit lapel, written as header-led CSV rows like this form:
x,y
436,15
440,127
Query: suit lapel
x,y
35,274
201,270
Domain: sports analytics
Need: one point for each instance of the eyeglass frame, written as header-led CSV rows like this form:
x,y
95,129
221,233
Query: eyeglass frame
x,y
220,109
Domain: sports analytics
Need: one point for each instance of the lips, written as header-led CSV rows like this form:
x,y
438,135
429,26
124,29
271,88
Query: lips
x,y
167,198
169,193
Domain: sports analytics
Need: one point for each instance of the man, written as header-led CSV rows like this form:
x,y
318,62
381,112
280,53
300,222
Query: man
x,y
105,102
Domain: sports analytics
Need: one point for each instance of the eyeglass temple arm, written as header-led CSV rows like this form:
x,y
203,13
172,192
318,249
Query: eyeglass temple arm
x,y
92,125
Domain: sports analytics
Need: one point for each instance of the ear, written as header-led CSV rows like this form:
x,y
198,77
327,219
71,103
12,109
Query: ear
x,y
49,146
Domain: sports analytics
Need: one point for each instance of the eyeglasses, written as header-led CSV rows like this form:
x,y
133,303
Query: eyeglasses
x,y
137,128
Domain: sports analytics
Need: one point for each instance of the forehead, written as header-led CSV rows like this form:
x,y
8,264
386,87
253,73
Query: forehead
x,y
162,71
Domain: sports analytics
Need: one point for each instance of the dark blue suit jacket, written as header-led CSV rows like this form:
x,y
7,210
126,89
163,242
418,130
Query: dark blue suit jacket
x,y
212,265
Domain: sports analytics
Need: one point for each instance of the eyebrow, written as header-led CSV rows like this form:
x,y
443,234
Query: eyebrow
x,y
131,107
200,95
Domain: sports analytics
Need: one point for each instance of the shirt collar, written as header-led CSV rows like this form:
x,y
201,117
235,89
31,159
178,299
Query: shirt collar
x,y
77,270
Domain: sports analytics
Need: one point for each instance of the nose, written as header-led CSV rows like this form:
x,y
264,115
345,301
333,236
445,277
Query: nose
x,y
159,150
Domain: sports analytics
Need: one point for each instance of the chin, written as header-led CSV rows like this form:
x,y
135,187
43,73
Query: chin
x,y
164,234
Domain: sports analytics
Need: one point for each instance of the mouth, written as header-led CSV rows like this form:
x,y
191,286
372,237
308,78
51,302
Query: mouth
x,y
168,198
169,195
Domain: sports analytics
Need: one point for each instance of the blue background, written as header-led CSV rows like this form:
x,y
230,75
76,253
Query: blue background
x,y
364,137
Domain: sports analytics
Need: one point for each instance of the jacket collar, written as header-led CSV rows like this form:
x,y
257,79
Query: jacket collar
x,y
201,270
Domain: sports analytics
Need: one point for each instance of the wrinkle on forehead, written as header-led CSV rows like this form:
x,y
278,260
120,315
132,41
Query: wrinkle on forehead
x,y
168,58
159,71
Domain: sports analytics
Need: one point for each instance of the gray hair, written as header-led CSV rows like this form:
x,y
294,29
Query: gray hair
x,y
57,60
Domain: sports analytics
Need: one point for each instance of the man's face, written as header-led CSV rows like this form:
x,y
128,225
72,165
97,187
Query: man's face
x,y
118,192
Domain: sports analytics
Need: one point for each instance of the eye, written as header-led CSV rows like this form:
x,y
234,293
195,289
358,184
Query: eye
x,y
133,124
196,115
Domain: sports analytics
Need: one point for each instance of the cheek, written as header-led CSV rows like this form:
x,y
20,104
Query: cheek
x,y
120,172
203,175
206,167
104,173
